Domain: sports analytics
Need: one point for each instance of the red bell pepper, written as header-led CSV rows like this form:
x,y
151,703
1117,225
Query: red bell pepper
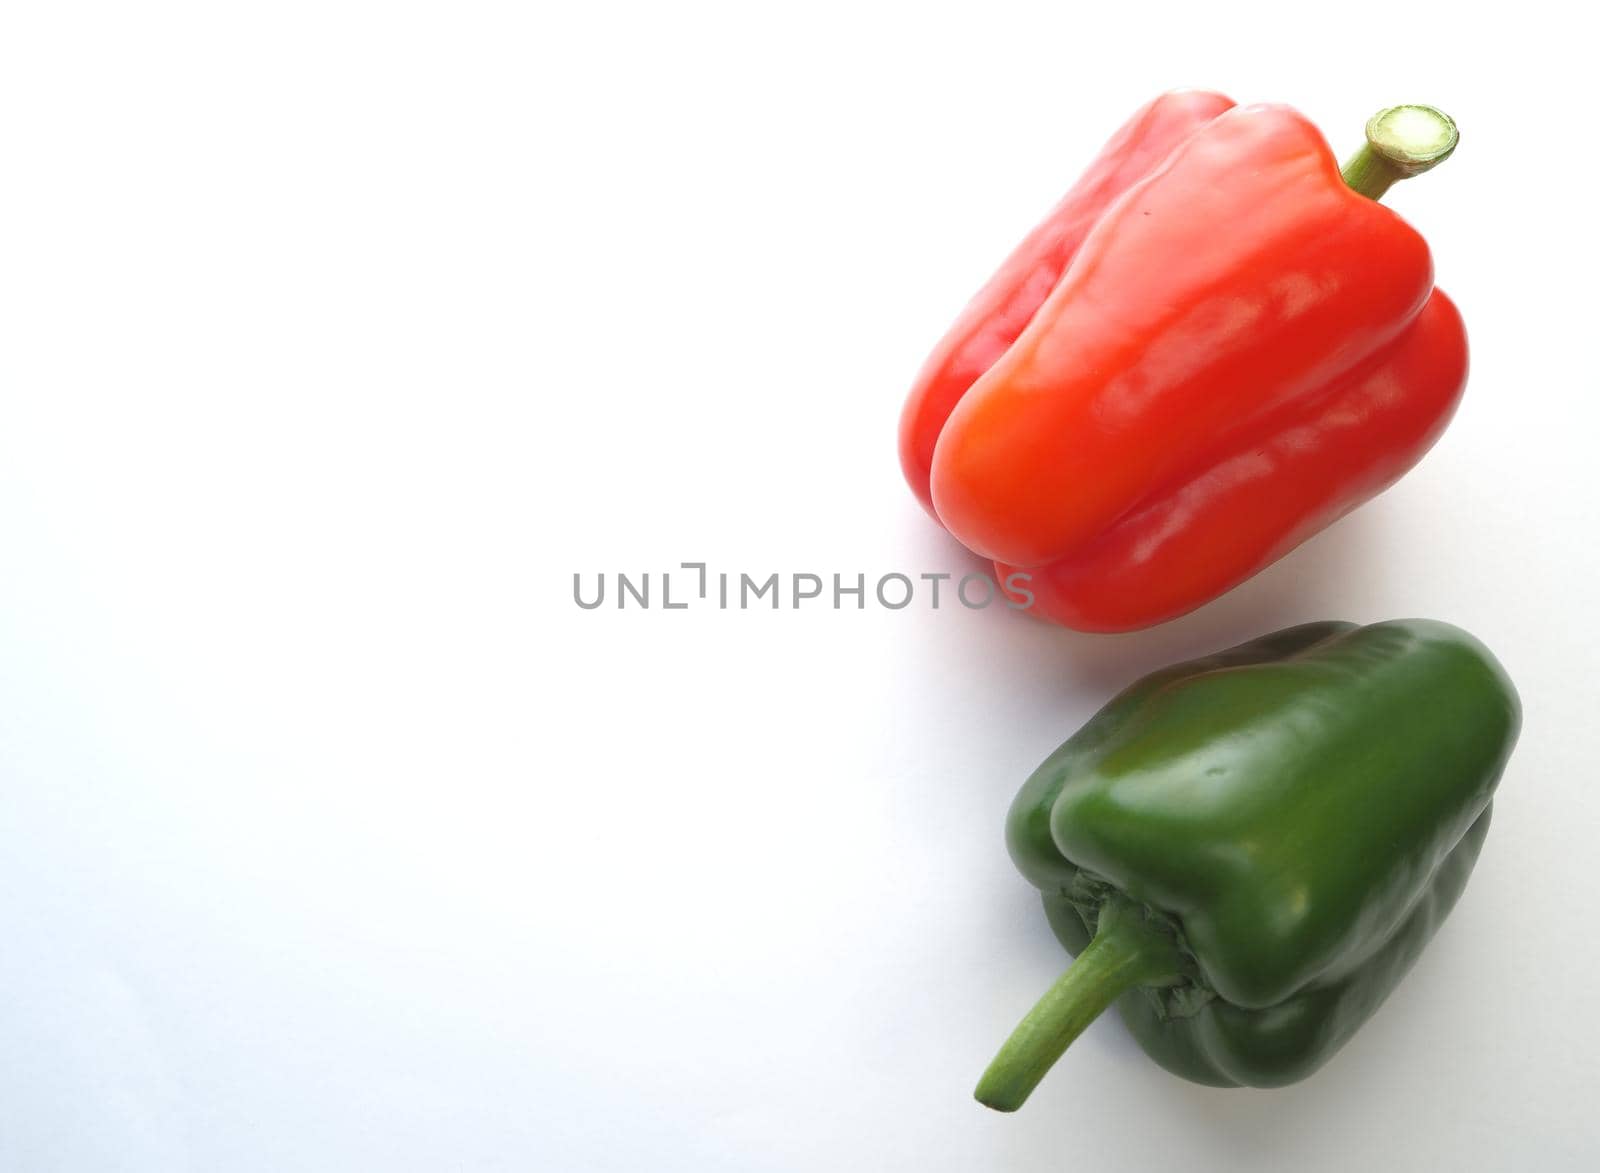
x,y
1214,347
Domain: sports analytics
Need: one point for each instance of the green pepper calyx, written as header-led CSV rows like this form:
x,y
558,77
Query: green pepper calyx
x,y
1182,996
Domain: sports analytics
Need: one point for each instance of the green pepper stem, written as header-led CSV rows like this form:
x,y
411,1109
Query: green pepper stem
x,y
1402,141
1127,951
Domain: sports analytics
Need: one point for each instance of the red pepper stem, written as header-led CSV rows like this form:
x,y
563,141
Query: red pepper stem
x,y
1128,950
1402,141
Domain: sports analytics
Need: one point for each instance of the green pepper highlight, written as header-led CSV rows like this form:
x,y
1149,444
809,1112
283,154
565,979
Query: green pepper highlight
x,y
1247,851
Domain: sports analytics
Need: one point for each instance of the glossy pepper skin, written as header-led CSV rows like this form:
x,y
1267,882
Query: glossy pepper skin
x,y
1293,817
1235,352
995,318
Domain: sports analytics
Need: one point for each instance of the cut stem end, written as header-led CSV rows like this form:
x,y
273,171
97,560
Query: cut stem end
x,y
1402,141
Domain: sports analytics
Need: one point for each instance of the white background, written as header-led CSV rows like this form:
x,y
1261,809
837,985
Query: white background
x,y
336,337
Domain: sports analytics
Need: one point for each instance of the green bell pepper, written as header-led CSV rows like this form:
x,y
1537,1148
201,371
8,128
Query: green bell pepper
x,y
1246,852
